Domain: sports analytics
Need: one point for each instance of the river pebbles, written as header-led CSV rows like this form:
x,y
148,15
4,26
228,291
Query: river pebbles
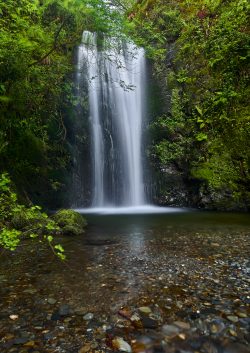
x,y
188,293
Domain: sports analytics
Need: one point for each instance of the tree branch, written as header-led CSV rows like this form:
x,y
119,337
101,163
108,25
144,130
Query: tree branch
x,y
52,49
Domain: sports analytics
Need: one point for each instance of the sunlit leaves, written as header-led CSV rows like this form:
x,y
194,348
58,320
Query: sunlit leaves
x,y
201,137
9,238
17,221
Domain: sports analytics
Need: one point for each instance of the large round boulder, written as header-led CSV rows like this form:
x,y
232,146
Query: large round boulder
x,y
70,222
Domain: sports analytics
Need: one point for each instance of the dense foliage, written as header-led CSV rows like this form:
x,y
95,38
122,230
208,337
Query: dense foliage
x,y
18,221
200,56
37,43
36,65
35,40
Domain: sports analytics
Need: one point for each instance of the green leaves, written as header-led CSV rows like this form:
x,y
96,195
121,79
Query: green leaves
x,y
60,251
201,137
28,100
50,238
9,238
17,220
4,182
57,248
199,110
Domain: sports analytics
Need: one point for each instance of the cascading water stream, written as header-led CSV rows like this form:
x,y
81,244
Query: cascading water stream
x,y
116,97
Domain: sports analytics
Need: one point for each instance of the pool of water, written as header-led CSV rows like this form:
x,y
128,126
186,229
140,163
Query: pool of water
x,y
127,260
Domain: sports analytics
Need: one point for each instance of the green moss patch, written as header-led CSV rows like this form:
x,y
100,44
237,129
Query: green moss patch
x,y
70,222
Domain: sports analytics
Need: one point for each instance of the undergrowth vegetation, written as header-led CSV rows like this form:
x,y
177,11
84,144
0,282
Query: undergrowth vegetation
x,y
18,221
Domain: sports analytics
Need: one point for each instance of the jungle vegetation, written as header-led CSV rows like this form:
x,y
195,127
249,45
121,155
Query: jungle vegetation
x,y
37,47
200,55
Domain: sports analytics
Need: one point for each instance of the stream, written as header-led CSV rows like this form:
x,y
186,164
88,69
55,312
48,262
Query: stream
x,y
176,282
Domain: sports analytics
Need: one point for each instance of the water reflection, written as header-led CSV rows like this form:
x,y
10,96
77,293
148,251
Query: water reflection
x,y
117,254
136,243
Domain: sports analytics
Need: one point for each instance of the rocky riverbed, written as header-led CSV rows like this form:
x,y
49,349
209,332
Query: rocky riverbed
x,y
131,285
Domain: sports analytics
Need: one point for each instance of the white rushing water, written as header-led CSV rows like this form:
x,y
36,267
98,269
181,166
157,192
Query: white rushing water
x,y
116,88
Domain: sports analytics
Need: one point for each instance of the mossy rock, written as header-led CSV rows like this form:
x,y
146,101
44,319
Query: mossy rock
x,y
70,222
19,221
23,220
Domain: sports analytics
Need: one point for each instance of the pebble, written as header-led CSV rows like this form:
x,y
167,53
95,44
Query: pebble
x,y
52,301
121,345
182,336
241,314
139,347
232,333
135,317
148,322
170,330
30,344
145,310
125,313
88,317
30,291
21,340
64,310
214,329
48,336
233,318
85,348
13,317
183,325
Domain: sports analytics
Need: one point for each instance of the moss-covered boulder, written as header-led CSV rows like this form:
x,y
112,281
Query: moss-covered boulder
x,y
29,219
70,222
20,221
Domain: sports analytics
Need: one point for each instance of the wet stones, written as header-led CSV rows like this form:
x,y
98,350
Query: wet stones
x,y
86,348
149,323
182,325
64,310
126,313
145,310
14,317
51,301
88,317
217,326
170,330
30,291
188,296
121,345
233,318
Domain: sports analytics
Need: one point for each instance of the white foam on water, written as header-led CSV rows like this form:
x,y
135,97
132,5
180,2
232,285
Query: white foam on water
x,y
145,209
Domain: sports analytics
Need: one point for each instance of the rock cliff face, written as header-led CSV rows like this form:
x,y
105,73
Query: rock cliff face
x,y
172,189
222,200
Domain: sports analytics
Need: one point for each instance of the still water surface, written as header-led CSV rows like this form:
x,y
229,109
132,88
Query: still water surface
x,y
129,260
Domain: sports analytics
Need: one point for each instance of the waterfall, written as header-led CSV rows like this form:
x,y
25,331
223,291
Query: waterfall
x,y
116,97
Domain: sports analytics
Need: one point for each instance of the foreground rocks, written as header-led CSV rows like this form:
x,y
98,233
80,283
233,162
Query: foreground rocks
x,y
177,291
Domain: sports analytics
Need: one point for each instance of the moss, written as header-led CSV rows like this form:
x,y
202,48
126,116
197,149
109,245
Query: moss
x,y
20,220
29,218
70,222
